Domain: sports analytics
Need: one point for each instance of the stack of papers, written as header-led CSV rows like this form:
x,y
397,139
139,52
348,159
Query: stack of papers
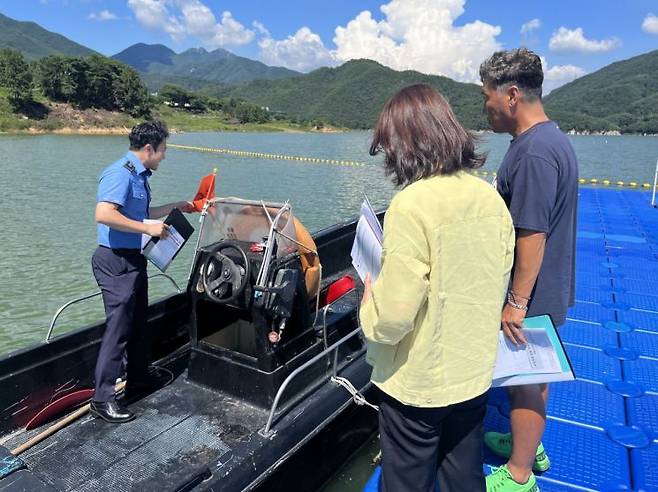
x,y
541,360
367,248
161,252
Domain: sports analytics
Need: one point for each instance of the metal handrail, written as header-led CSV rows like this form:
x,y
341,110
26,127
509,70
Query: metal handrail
x,y
295,373
89,296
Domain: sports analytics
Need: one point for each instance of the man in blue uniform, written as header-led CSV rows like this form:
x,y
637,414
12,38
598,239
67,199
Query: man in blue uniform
x,y
123,202
538,179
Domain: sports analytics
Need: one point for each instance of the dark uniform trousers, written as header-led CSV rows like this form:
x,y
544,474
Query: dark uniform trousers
x,y
121,276
423,446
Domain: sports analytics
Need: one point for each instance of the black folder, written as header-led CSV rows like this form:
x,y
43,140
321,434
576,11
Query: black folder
x,y
162,252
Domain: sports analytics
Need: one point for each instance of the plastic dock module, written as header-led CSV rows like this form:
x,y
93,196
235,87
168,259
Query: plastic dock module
x,y
602,429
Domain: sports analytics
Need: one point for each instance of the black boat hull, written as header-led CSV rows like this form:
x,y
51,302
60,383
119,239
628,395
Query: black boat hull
x,y
208,439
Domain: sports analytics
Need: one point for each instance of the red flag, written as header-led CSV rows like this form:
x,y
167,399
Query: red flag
x,y
205,192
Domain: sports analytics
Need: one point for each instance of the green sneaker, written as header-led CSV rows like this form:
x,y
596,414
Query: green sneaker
x,y
501,481
501,444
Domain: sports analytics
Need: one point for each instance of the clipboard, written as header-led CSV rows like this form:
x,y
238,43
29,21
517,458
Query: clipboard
x,y
161,252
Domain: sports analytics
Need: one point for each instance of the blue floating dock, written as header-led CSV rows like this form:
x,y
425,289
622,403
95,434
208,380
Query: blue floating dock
x,y
602,429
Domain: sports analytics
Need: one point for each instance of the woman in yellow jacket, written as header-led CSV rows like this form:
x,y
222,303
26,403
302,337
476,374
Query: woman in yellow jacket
x,y
432,317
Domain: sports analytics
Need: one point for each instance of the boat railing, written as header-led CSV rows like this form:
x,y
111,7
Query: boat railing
x,y
267,431
90,296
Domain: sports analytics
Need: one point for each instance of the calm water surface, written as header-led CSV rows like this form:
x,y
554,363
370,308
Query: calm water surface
x,y
48,197
49,186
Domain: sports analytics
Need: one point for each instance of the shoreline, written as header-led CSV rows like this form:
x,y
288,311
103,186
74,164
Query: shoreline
x,y
122,130
112,131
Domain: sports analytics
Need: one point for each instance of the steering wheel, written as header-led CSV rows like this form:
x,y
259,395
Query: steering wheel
x,y
223,279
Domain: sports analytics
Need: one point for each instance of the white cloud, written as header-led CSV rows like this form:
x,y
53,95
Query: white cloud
x,y
419,35
260,28
574,40
531,25
650,24
559,75
303,51
103,15
191,18
414,35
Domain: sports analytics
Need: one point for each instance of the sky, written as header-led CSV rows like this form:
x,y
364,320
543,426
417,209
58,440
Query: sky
x,y
443,37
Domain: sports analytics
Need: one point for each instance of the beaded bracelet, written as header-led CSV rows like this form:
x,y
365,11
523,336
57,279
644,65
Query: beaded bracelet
x,y
512,302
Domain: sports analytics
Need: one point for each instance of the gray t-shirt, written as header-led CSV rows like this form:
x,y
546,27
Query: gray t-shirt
x,y
538,180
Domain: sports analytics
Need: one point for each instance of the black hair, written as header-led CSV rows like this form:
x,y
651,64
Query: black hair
x,y
520,67
150,132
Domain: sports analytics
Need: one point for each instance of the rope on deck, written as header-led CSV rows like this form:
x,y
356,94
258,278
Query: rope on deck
x,y
338,162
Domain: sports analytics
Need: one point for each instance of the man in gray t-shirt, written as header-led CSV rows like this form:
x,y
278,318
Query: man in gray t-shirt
x,y
538,179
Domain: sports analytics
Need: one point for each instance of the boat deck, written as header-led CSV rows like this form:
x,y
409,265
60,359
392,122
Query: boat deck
x,y
602,429
179,430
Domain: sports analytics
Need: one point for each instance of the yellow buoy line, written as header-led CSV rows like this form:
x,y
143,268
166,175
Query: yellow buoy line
x,y
608,182
338,162
263,155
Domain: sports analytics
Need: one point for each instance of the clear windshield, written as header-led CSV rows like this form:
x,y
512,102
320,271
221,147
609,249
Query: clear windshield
x,y
247,220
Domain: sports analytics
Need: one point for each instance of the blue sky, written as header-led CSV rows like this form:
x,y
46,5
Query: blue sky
x,y
448,37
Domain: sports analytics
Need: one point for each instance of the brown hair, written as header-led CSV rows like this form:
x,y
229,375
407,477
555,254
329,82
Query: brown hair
x,y
421,137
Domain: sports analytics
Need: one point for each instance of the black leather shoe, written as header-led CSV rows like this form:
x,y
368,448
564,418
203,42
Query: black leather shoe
x,y
111,411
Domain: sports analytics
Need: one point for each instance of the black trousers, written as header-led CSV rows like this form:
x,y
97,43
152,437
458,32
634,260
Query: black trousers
x,y
421,445
122,278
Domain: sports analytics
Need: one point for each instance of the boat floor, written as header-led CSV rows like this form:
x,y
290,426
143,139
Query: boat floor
x,y
178,430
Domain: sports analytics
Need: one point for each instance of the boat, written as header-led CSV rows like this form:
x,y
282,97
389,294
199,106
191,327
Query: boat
x,y
266,362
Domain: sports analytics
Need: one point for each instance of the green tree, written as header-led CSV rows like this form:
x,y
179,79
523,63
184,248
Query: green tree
x,y
174,96
97,88
250,113
15,75
50,76
130,94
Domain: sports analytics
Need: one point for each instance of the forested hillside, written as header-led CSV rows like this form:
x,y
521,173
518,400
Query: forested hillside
x,y
353,94
622,96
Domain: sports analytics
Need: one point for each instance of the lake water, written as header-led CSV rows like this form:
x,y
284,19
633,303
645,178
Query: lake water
x,y
49,186
48,197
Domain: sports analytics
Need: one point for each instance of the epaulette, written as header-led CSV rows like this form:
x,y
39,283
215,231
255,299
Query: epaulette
x,y
130,167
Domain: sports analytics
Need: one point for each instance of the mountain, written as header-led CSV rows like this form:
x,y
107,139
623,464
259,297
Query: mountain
x,y
353,94
622,96
35,42
196,68
140,55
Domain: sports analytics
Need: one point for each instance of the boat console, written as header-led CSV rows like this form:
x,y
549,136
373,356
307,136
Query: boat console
x,y
252,289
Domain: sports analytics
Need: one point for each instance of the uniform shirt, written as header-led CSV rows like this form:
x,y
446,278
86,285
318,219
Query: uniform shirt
x,y
433,320
538,180
124,183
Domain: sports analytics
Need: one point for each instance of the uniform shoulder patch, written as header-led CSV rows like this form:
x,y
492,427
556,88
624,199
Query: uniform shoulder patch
x,y
129,166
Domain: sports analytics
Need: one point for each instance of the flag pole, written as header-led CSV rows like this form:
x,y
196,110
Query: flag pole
x,y
655,182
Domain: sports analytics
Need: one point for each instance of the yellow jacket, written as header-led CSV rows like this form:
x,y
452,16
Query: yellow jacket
x,y
433,320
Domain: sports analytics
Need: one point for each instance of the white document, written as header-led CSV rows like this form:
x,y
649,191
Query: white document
x,y
145,237
535,357
162,252
367,248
